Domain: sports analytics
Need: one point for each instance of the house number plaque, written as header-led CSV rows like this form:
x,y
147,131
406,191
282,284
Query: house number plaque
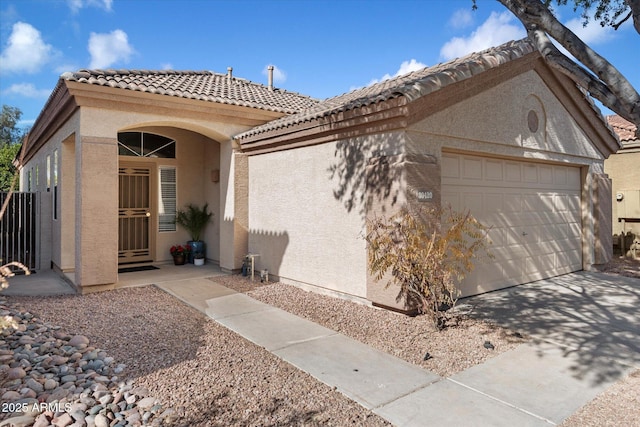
x,y
424,195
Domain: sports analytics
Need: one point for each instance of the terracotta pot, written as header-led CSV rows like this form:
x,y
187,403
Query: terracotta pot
x,y
178,259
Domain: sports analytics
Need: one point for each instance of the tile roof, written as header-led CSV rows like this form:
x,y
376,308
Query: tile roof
x,y
200,85
625,130
412,85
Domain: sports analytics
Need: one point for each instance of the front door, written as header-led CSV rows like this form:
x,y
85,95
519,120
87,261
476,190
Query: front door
x,y
134,214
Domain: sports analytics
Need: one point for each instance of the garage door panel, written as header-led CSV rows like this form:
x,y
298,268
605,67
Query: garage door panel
x,y
570,259
512,203
513,272
575,231
497,237
471,168
472,201
540,263
452,199
533,210
450,166
494,170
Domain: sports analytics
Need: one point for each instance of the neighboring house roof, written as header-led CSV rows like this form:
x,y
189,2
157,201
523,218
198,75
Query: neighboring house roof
x,y
199,85
625,130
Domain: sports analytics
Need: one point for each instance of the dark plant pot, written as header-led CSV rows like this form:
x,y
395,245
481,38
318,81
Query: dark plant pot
x,y
198,247
178,260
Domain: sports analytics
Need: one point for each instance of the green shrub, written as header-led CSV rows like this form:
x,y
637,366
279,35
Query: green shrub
x,y
194,220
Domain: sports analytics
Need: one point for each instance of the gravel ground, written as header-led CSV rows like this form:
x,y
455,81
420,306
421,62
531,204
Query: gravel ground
x,y
410,338
212,376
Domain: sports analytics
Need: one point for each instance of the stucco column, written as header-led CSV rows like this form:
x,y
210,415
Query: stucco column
x,y
603,230
234,204
96,243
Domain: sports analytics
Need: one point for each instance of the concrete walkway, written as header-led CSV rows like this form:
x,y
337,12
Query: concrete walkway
x,y
586,330
537,384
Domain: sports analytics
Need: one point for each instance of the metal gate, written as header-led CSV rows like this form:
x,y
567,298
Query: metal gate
x,y
18,230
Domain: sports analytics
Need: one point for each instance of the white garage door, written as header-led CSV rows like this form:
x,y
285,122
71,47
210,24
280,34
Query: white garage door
x,y
533,210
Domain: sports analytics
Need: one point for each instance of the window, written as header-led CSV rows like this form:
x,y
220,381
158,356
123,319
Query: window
x,y
55,167
37,176
29,180
142,144
167,199
48,172
55,184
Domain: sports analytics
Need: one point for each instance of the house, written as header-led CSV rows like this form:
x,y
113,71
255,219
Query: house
x,y
119,151
294,179
623,168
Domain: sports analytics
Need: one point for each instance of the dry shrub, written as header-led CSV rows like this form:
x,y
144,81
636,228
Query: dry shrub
x,y
426,250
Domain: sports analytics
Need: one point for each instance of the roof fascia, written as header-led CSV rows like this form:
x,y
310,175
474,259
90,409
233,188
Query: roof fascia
x,y
58,109
464,89
383,116
127,100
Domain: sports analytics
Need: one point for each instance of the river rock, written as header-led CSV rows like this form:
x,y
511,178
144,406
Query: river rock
x,y
79,341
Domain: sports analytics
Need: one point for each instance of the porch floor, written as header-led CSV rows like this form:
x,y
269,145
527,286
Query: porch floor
x,y
48,282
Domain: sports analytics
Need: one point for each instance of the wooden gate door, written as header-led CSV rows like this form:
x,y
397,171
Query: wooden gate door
x,y
134,215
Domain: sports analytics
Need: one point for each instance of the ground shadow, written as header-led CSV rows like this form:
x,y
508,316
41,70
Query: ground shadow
x,y
593,317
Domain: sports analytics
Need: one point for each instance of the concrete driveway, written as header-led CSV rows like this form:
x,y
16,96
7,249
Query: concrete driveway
x,y
594,318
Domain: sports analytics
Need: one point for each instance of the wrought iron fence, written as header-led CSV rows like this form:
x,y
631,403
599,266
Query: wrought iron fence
x,y
18,229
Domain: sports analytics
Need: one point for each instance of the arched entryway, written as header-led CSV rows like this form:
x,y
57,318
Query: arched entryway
x,y
161,170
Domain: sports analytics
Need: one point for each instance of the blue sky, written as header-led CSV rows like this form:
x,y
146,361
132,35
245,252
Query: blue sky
x,y
319,48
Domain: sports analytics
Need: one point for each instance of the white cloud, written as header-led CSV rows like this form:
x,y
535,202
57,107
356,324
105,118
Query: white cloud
x,y
497,29
76,5
27,90
107,49
25,51
461,18
167,66
279,76
405,68
593,33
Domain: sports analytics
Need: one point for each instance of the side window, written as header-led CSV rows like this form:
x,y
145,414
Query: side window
x,y
48,172
55,184
167,199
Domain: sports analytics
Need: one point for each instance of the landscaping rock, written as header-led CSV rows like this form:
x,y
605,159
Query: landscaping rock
x,y
55,379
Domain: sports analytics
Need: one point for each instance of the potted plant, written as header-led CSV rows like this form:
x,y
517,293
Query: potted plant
x,y
180,253
198,259
195,219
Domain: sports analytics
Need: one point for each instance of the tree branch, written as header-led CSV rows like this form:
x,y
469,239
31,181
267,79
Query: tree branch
x,y
623,20
610,87
635,10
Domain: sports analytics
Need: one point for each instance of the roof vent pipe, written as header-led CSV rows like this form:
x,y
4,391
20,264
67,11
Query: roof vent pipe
x,y
229,74
270,70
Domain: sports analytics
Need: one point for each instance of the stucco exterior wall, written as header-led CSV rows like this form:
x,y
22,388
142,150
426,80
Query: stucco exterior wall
x,y
307,210
56,239
624,172
497,122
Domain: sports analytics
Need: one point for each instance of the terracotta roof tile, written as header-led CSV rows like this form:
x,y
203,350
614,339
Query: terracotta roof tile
x,y
412,85
200,85
625,130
